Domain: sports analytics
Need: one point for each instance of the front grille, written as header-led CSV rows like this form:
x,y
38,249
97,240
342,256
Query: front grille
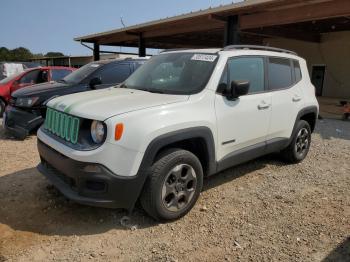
x,y
62,125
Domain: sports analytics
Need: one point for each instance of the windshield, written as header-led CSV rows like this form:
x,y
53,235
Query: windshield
x,y
173,73
80,74
10,78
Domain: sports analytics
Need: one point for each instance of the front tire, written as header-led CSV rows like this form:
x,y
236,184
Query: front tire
x,y
300,145
173,186
2,107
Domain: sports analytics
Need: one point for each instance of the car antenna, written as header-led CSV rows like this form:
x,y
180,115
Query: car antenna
x,y
121,20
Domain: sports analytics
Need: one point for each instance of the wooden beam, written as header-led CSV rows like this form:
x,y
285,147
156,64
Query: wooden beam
x,y
142,46
231,34
310,12
217,18
285,33
96,52
185,28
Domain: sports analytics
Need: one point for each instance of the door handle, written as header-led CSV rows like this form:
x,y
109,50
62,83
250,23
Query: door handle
x,y
296,98
263,106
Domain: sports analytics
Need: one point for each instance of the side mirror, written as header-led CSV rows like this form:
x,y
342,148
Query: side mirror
x,y
237,89
94,82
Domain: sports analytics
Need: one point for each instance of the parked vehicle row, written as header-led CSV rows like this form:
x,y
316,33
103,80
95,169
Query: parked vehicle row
x,y
182,116
27,78
27,107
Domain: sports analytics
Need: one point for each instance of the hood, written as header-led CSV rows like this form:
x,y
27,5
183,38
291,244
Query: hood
x,y
37,90
105,103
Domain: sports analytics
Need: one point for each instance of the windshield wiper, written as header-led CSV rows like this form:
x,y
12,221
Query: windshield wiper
x,y
61,81
156,91
143,89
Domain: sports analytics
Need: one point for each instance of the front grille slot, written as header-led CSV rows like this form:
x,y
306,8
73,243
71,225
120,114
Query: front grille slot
x,y
62,125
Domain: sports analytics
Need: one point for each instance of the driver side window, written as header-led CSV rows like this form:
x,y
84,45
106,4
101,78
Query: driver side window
x,y
248,69
30,78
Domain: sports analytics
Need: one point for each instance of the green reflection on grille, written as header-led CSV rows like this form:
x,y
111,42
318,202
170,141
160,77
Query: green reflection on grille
x,y
62,125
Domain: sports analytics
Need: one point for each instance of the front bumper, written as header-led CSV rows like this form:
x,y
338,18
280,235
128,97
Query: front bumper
x,y
20,122
89,183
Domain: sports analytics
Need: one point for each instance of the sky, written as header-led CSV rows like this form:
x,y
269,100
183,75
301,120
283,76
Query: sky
x,y
50,25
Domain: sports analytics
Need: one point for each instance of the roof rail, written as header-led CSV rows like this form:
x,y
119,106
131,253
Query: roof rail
x,y
174,49
258,47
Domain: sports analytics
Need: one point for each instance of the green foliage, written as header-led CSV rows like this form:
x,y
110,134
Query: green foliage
x,y
4,54
22,54
54,54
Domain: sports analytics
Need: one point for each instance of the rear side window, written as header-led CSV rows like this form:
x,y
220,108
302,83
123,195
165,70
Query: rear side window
x,y
297,71
114,73
250,69
58,74
279,73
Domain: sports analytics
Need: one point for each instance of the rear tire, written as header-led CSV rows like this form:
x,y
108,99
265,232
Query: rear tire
x,y
173,186
300,145
2,107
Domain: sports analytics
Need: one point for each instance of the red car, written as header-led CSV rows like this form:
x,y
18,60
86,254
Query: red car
x,y
29,77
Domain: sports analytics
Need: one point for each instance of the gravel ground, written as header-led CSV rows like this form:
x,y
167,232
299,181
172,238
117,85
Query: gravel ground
x,y
259,211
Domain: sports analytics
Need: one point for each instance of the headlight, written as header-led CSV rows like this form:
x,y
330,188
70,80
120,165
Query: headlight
x,y
26,101
97,131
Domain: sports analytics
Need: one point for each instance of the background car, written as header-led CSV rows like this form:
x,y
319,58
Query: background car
x,y
10,68
27,109
27,78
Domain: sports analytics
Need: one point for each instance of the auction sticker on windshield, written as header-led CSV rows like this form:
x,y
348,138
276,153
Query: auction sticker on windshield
x,y
202,57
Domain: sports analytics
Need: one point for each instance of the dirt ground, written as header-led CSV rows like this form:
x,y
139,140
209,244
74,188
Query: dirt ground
x,y
259,211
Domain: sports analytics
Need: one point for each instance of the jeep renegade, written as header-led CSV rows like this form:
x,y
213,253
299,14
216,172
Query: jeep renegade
x,y
182,116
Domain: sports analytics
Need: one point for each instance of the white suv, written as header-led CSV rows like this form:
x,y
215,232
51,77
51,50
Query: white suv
x,y
180,117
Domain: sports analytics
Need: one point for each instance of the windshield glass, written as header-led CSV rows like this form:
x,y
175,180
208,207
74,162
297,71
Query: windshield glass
x,y
173,73
80,74
10,78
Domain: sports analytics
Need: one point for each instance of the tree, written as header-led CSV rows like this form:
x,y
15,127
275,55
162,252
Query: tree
x,y
4,54
54,54
20,54
39,55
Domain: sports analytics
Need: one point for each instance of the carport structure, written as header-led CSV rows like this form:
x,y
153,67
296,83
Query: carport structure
x,y
301,25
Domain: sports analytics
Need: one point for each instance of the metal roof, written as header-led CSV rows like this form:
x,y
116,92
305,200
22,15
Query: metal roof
x,y
258,19
234,7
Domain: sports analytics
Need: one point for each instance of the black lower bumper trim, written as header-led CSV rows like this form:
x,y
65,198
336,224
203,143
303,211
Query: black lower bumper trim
x,y
20,122
89,183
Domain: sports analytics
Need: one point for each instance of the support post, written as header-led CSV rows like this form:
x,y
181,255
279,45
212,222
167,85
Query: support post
x,y
96,52
142,46
232,31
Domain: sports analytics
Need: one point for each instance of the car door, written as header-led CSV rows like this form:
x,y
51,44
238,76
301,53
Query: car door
x,y
285,85
29,78
243,123
112,74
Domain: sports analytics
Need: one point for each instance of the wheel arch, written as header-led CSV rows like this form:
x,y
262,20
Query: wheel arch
x,y
198,140
309,114
5,103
